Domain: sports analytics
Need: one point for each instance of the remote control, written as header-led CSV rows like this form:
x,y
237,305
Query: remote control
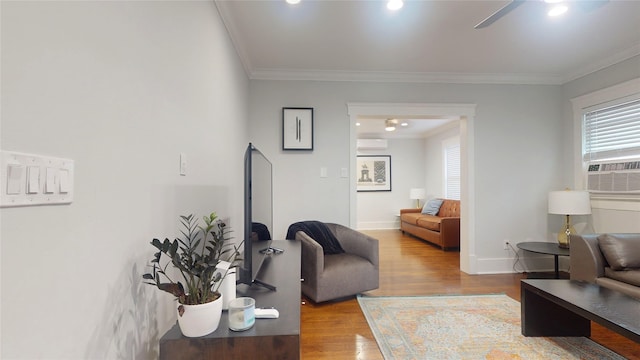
x,y
266,313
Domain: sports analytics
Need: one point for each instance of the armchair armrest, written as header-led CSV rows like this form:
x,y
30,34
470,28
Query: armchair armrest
x,y
357,243
587,262
312,257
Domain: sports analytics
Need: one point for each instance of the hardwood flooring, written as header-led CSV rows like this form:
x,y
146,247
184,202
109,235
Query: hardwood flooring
x,y
409,266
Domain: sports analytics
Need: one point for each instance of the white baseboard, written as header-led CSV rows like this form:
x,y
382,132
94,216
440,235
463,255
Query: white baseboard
x,y
378,225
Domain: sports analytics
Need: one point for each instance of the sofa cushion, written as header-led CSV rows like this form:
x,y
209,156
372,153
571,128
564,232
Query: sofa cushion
x,y
429,222
411,218
432,207
621,251
626,276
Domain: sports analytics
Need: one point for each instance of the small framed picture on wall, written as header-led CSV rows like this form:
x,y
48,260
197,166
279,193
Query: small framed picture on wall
x,y
373,173
297,128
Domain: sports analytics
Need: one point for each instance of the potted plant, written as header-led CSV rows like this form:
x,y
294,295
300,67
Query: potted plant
x,y
195,258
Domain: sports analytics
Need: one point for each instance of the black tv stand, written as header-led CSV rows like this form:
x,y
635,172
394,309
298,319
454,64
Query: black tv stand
x,y
264,284
268,338
270,250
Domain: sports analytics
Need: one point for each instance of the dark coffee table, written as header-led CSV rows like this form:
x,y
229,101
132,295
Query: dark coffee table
x,y
567,307
545,248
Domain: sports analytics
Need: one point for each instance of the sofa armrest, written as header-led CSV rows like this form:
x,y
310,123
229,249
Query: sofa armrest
x,y
357,243
587,262
412,210
312,257
450,232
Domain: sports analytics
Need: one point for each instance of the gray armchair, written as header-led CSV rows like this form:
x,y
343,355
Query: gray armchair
x,y
329,277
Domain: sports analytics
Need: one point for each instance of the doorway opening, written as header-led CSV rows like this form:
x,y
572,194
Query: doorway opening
x,y
466,114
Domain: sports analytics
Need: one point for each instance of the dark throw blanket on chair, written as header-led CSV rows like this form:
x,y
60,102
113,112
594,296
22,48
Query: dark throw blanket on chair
x,y
319,232
261,231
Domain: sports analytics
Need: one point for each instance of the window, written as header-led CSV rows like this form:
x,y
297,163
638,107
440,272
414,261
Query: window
x,y
612,131
607,144
451,151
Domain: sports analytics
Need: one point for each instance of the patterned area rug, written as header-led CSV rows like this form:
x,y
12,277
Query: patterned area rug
x,y
464,327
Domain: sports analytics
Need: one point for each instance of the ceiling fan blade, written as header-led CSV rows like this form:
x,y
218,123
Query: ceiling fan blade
x,y
500,13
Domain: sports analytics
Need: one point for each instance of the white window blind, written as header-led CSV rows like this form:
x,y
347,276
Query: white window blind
x,y
612,132
452,170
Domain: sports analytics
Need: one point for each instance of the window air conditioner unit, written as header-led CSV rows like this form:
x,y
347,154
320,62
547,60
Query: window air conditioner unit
x,y
614,177
371,144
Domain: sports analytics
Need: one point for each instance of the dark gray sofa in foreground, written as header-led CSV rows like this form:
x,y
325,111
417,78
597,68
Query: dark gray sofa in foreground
x,y
609,260
333,276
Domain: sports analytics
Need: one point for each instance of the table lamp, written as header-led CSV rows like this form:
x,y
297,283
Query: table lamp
x,y
568,202
417,194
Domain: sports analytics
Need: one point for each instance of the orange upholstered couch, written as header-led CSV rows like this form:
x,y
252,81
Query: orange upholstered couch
x,y
442,229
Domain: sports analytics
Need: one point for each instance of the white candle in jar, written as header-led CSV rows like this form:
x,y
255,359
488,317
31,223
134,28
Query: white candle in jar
x,y
241,313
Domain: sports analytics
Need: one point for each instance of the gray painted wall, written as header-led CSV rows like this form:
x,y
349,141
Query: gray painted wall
x,y
518,132
122,88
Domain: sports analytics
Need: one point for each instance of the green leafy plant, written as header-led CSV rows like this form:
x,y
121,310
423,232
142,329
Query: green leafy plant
x,y
195,257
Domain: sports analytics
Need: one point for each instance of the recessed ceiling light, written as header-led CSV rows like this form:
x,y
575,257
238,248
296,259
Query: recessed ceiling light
x,y
293,2
357,124
390,124
404,123
558,10
394,4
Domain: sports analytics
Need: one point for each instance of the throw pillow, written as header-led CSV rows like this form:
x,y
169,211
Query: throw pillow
x,y
622,251
432,207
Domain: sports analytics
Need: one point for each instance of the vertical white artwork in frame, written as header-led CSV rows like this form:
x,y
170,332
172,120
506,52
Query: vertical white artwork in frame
x,y
297,128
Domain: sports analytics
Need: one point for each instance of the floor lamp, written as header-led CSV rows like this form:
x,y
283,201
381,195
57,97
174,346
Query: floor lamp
x,y
568,202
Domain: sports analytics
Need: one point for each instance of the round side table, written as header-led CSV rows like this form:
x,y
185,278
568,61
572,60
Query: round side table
x,y
546,248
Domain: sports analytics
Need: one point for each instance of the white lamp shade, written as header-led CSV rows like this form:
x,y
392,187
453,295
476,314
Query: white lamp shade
x,y
568,202
417,194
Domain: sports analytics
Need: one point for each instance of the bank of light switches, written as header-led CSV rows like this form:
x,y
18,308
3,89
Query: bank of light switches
x,y
29,179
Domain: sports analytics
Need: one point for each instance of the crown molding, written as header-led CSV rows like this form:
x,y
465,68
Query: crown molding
x,y
229,24
603,63
404,77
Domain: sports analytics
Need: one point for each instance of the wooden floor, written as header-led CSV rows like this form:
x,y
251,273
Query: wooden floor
x,y
408,266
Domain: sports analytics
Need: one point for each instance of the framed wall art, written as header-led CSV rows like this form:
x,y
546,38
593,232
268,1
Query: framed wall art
x,y
297,128
373,173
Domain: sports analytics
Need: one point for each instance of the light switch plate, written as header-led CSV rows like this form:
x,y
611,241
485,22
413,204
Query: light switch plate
x,y
29,179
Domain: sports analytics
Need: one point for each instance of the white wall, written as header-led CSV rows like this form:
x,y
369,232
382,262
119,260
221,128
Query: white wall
x,y
518,134
380,209
122,88
607,215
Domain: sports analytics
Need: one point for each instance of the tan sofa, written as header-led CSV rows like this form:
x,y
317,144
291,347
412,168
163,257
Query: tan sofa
x,y
442,229
609,260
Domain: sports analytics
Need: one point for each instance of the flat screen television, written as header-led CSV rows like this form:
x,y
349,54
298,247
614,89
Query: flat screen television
x,y
258,215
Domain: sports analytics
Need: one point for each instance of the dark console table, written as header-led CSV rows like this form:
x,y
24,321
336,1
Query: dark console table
x,y
546,248
567,307
268,338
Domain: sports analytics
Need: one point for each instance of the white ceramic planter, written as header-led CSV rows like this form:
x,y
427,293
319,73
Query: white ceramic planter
x,y
200,320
